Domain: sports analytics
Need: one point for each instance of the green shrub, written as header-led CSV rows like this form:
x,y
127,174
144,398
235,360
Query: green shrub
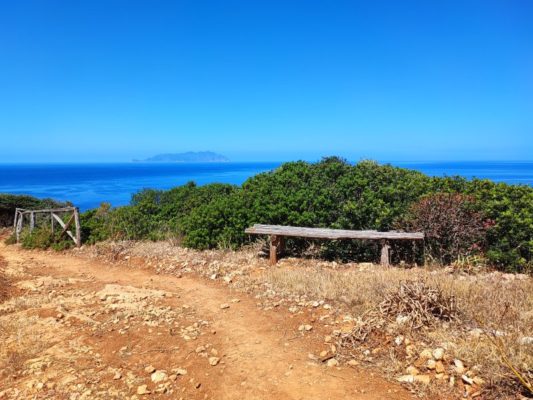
x,y
9,202
331,193
43,238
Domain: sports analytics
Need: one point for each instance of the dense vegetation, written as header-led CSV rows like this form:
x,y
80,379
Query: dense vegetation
x,y
461,217
9,202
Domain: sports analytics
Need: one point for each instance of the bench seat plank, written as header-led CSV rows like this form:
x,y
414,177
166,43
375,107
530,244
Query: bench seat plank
x,y
333,234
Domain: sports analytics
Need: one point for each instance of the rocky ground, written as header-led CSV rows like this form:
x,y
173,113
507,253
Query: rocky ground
x,y
439,332
104,323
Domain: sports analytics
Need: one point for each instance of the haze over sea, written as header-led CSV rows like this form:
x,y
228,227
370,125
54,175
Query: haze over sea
x,y
87,185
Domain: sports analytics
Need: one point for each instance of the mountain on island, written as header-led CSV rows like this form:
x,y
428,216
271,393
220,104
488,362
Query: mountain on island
x,y
188,157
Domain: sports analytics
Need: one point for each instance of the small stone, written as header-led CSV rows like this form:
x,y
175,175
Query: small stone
x,y
439,367
431,364
327,339
323,353
213,361
117,376
306,328
353,363
438,353
235,300
467,380
149,369
459,367
425,379
411,370
143,389
406,379
410,350
426,354
224,306
398,340
332,362
200,349
181,371
158,376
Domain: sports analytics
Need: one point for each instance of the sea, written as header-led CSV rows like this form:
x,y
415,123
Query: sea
x,y
88,185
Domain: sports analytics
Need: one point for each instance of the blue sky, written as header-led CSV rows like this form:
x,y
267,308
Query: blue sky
x,y
266,80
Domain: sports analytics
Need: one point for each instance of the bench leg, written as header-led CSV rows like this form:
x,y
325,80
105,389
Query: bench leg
x,y
385,254
276,243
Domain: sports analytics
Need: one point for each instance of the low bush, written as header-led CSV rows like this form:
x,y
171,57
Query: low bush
x,y
43,238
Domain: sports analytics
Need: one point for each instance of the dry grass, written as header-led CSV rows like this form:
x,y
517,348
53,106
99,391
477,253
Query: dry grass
x,y
499,305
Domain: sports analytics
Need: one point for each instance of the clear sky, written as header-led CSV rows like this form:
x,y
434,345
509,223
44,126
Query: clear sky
x,y
266,80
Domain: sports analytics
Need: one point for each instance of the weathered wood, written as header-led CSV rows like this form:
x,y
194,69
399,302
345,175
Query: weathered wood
x,y
48,210
274,245
385,253
332,234
278,232
78,228
67,225
32,221
63,225
19,226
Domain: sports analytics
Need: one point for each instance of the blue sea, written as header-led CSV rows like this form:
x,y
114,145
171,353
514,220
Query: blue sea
x,y
87,185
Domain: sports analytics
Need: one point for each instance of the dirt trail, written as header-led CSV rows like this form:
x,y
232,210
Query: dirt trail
x,y
262,354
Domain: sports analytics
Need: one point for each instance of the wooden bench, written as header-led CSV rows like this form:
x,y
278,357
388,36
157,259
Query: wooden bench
x,y
278,233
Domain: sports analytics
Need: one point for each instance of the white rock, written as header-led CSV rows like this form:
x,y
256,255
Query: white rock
x,y
214,361
143,389
459,367
425,379
224,306
149,369
406,379
332,362
438,353
158,376
398,340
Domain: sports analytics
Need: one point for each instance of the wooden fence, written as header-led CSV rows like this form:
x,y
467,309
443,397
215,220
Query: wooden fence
x,y
56,215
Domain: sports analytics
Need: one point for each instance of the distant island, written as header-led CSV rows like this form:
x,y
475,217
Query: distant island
x,y
188,157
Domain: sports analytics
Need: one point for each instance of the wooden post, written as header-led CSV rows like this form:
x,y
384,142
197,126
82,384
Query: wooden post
x,y
52,222
16,218
385,253
274,245
19,226
77,224
32,221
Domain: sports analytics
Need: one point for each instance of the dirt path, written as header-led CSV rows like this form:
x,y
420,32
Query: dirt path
x,y
126,321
